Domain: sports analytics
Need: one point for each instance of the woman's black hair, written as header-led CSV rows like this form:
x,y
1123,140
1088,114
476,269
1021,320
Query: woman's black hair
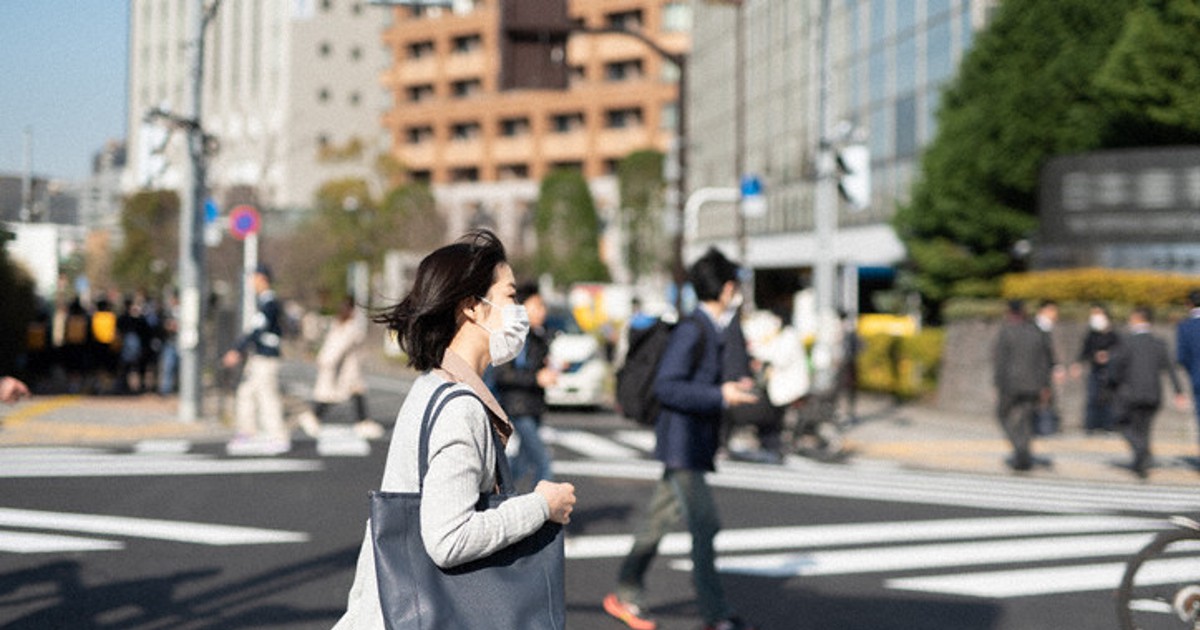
x,y
426,320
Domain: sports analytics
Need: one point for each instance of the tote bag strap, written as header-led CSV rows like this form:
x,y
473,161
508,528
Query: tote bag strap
x,y
432,411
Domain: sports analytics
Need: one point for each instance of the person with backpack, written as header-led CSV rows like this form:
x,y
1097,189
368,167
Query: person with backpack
x,y
690,394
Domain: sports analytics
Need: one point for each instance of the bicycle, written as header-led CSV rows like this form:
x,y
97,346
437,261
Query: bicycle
x,y
1161,585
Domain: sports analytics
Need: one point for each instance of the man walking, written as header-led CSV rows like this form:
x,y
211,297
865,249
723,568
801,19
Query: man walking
x,y
1187,347
259,409
691,391
1136,369
1023,361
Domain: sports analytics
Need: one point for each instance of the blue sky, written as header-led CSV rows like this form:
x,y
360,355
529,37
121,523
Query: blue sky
x,y
62,74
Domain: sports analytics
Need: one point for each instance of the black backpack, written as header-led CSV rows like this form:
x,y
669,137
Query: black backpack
x,y
635,379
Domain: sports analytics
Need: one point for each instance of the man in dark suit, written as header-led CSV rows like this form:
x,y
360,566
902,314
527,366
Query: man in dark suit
x,y
1136,374
1023,362
1187,347
692,394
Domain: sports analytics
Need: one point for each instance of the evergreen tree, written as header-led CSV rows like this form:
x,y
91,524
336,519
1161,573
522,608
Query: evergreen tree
x,y
568,230
640,179
1025,92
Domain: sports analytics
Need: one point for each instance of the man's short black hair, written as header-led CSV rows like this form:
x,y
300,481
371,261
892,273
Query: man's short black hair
x,y
709,275
525,290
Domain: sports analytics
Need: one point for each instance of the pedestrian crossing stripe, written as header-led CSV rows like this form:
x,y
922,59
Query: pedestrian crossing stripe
x,y
870,482
1049,580
123,526
959,544
33,462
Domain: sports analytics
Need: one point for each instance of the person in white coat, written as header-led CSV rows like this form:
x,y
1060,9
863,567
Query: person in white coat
x,y
340,373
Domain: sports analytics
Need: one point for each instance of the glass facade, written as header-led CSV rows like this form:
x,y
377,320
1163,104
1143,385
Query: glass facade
x,y
888,61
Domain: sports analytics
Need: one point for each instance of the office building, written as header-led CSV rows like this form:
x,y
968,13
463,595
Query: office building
x,y
291,96
755,109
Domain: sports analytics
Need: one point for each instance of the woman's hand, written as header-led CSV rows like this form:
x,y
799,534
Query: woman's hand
x,y
560,497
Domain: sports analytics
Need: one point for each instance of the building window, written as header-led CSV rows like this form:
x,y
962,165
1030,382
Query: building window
x,y
465,44
324,49
355,98
419,134
677,17
611,165
567,166
327,5
464,174
420,93
422,176
576,75
628,20
625,70
356,53
464,131
566,123
623,118
421,49
323,95
513,171
466,88
512,127
669,118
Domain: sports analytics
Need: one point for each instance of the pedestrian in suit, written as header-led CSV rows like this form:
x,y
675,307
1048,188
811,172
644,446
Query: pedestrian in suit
x,y
1187,347
692,395
1023,362
1136,374
1098,346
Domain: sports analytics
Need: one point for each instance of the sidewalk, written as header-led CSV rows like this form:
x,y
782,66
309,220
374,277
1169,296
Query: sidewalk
x,y
913,435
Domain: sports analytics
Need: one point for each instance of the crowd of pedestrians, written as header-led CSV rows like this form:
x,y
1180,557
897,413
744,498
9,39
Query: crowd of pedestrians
x,y
107,344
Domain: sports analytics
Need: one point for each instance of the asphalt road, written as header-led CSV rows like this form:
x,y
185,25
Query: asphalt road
x,y
121,538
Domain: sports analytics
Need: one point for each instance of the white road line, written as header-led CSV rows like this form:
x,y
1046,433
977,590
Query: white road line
x,y
22,542
845,534
124,465
921,557
178,531
871,483
1046,581
592,445
641,440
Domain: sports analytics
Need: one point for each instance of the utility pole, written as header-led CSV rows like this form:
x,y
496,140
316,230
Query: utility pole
x,y
191,227
825,216
27,178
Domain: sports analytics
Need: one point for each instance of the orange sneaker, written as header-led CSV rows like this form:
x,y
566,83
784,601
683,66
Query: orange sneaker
x,y
629,614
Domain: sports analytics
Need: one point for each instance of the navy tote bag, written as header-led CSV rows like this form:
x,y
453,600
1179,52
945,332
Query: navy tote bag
x,y
518,587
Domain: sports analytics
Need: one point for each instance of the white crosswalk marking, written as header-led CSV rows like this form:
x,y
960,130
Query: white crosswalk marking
x,y
27,462
868,480
23,542
178,531
590,444
1048,581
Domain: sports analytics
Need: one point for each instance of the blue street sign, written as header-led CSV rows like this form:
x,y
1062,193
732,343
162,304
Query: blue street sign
x,y
211,211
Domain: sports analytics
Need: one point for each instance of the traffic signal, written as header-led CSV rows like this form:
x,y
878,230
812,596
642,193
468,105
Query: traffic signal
x,y
854,175
533,44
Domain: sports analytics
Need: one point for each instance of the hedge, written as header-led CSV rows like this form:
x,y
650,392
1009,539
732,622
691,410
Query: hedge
x,y
1119,286
906,367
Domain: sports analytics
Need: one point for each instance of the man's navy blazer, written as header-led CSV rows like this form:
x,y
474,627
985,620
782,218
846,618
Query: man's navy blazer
x,y
688,425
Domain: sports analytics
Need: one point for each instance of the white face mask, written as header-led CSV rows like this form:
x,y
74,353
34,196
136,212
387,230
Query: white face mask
x,y
505,344
1099,323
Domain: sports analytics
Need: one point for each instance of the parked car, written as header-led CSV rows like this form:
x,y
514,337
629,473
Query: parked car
x,y
579,357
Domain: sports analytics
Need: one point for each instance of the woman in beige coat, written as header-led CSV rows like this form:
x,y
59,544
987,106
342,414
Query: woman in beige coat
x,y
340,373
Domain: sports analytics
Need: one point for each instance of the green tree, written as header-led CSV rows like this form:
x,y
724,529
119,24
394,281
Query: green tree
x,y
568,230
349,225
641,183
150,250
1150,82
1024,93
